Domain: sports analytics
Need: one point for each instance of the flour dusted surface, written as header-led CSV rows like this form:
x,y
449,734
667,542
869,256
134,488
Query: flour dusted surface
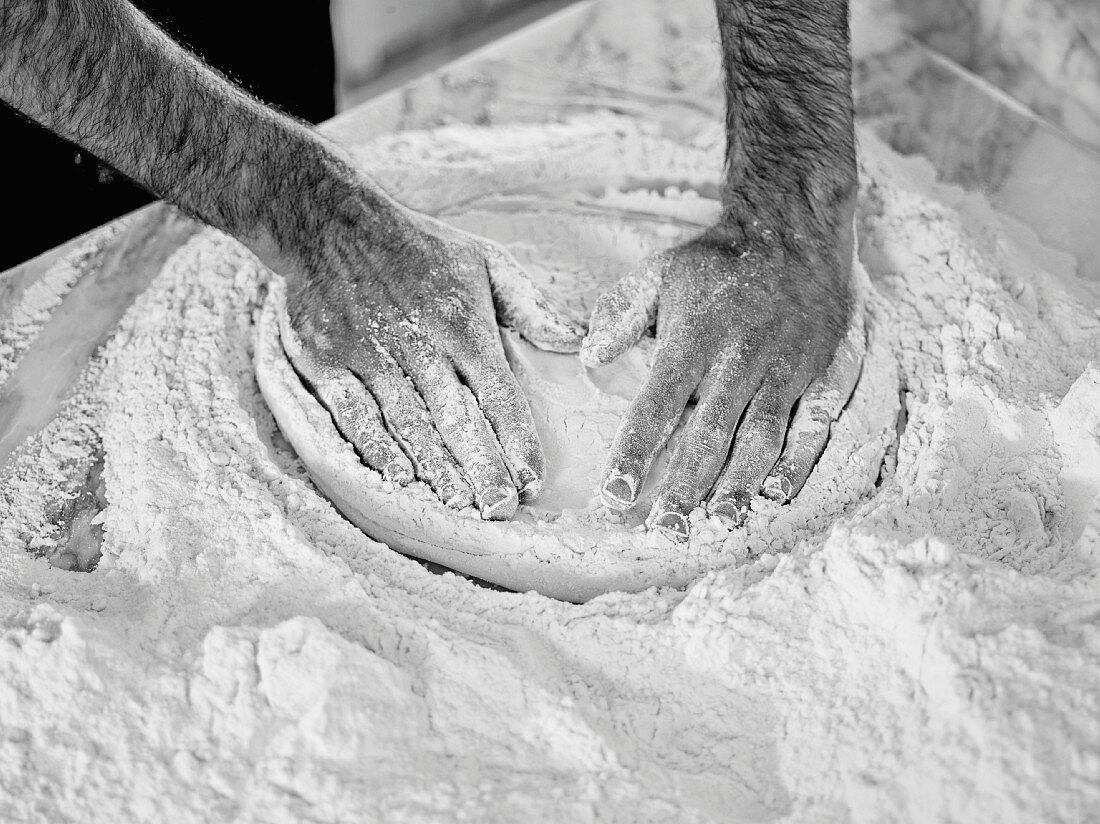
x,y
578,238
913,639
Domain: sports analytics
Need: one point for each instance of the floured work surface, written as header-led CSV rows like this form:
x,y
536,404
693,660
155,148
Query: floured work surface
x,y
565,544
914,637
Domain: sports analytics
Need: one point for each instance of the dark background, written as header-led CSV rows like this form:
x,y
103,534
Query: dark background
x,y
57,191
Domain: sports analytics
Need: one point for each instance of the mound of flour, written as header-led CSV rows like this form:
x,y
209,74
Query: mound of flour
x,y
916,638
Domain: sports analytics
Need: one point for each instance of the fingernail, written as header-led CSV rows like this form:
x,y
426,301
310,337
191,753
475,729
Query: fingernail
x,y
456,497
498,503
529,484
777,488
731,513
673,523
619,492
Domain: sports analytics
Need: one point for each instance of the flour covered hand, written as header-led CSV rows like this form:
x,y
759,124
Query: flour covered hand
x,y
392,316
754,330
392,321
758,319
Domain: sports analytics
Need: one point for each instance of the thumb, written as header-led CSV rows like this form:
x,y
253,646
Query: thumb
x,y
522,305
623,313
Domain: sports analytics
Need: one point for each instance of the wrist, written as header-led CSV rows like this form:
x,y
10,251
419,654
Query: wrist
x,y
810,237
799,203
309,198
790,160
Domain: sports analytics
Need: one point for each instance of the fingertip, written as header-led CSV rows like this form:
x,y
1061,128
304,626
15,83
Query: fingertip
x,y
573,331
619,491
456,496
620,317
528,482
792,472
527,472
522,305
399,472
499,504
609,336
731,511
597,351
672,509
669,522
608,339
550,330
530,491
644,430
777,487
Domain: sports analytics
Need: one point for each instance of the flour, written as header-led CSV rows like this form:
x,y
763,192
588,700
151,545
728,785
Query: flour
x,y
35,301
565,544
913,638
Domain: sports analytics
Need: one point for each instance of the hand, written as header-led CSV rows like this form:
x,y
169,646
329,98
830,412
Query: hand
x,y
393,324
753,328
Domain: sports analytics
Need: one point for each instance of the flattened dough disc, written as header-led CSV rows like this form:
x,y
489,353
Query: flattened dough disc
x,y
572,555
577,223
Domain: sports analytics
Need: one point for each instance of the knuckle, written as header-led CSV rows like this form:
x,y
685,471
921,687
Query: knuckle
x,y
681,495
610,305
772,423
759,429
820,413
710,439
413,421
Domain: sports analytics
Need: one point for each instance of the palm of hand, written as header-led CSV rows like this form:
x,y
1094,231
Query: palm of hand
x,y
767,337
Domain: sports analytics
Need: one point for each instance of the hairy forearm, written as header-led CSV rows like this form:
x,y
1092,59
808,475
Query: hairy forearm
x,y
102,75
791,148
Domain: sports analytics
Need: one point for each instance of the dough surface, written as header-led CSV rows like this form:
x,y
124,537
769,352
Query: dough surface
x,y
916,632
576,232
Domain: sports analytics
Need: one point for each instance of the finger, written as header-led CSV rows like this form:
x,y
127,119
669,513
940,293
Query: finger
x,y
808,433
647,425
521,304
358,420
623,313
756,448
469,437
704,447
353,410
460,422
411,424
485,370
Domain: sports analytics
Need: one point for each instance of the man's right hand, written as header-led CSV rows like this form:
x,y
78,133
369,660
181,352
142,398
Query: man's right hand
x,y
392,321
392,316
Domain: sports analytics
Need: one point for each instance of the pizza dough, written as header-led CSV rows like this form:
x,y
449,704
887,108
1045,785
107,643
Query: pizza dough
x,y
565,544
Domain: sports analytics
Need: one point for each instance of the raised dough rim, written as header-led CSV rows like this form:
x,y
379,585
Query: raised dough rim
x,y
544,558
